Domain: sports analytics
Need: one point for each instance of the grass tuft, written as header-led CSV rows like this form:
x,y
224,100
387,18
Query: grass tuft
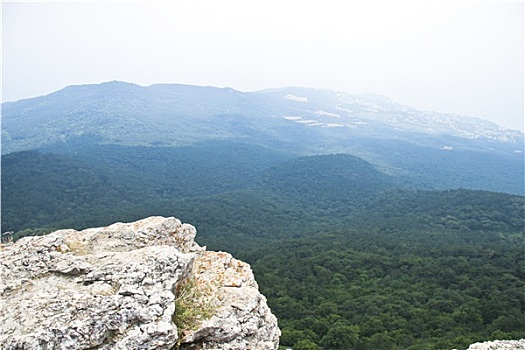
x,y
193,305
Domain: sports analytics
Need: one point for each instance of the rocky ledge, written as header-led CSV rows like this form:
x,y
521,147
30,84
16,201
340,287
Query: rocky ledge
x,y
141,285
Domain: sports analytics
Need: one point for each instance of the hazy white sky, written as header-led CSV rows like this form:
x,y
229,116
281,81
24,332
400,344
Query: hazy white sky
x,y
464,58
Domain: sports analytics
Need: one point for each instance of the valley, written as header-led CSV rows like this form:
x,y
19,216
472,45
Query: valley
x,y
369,225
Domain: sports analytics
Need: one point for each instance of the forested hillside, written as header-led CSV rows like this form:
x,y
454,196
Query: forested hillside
x,y
348,256
398,289
98,185
427,150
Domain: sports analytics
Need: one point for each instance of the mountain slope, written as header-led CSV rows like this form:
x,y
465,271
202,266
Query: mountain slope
x,y
334,177
335,244
428,150
232,191
350,251
97,184
178,114
366,112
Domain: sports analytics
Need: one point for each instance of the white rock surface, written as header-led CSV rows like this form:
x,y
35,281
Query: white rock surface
x,y
499,345
242,319
114,288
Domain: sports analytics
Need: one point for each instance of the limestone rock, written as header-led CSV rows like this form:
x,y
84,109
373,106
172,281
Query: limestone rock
x,y
241,319
115,288
499,345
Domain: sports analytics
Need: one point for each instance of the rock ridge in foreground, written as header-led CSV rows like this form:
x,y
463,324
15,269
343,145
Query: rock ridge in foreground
x,y
117,287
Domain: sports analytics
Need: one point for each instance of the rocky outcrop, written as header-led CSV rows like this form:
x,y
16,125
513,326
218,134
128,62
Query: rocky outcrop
x,y
499,345
241,319
128,286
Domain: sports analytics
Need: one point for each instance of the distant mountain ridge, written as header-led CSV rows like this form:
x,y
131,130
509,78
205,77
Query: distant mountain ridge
x,y
358,110
369,226
99,184
174,114
426,149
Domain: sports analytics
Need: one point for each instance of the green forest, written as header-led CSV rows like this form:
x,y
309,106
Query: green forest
x,y
401,289
347,256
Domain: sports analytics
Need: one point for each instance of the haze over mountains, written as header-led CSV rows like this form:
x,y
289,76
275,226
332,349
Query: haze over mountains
x,y
369,225
399,140
174,115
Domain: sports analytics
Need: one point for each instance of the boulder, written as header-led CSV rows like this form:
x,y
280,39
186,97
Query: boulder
x,y
117,287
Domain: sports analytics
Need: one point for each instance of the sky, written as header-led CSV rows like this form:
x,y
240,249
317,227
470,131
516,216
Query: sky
x,y
452,57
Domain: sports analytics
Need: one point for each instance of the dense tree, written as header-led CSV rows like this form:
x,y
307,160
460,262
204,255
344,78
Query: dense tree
x,y
346,257
305,344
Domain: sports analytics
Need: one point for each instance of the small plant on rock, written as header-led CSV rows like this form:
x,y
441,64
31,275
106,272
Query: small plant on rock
x,y
192,306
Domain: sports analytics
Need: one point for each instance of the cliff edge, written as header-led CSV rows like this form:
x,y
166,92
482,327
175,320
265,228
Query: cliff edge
x,y
140,285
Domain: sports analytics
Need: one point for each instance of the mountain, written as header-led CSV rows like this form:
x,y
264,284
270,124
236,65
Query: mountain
x,y
98,183
333,177
175,114
429,150
368,224
231,190
369,112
